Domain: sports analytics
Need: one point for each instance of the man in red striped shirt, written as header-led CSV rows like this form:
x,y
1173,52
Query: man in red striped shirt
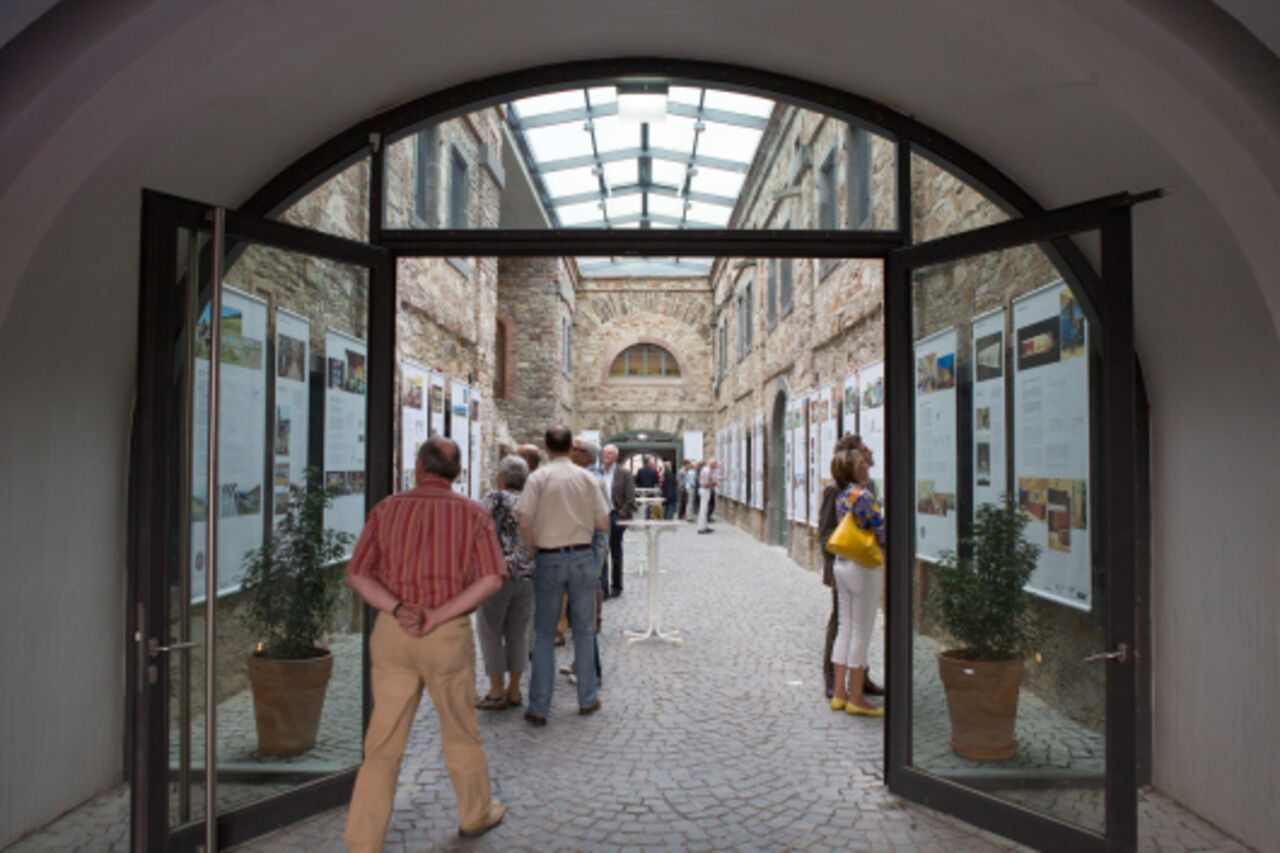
x,y
425,559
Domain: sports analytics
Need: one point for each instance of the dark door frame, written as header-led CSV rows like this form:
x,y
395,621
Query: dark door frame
x,y
157,461
1110,297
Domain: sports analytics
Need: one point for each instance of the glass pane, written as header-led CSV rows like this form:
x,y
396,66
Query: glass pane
x,y
185,584
945,202
291,413
1001,700
710,147
339,206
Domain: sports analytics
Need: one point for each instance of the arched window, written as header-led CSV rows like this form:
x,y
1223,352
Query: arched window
x,y
646,361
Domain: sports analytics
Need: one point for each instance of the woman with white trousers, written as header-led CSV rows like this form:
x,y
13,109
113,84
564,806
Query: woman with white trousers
x,y
857,588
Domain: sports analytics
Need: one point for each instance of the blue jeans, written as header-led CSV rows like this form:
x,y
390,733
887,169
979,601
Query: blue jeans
x,y
574,571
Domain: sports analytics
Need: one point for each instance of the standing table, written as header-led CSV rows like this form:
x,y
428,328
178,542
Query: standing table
x,y
652,530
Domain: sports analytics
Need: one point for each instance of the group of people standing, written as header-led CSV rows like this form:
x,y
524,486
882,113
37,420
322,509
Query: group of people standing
x,y
547,539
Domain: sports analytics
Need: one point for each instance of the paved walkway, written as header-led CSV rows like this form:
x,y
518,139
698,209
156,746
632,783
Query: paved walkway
x,y
722,743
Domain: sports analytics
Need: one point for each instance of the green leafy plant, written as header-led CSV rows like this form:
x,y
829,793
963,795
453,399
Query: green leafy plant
x,y
292,583
979,600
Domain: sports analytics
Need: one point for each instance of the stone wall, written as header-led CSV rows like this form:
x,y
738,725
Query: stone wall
x,y
538,294
613,314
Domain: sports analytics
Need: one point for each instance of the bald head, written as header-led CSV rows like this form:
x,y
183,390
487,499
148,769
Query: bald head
x,y
531,455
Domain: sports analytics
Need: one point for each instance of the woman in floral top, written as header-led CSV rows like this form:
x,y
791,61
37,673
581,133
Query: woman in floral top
x,y
503,618
857,588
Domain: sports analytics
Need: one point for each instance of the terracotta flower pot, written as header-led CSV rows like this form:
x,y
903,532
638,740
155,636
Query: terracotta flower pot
x,y
982,701
288,696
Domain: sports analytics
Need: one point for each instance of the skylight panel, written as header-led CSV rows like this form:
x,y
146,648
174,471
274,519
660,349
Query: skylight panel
x,y
621,173
729,141
601,95
666,205
685,94
570,182
708,214
734,102
553,102
717,182
676,133
615,135
585,213
559,141
669,173
627,205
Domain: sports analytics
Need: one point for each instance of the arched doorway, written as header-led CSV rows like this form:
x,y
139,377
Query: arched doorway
x,y
777,472
648,442
778,240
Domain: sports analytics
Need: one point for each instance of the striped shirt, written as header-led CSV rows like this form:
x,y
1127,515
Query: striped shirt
x,y
427,545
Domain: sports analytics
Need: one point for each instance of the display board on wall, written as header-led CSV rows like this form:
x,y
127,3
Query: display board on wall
x,y
344,424
693,445
789,463
415,380
757,462
1051,439
936,460
814,437
435,414
830,426
477,447
592,435
739,463
988,408
459,430
871,420
849,405
293,408
242,425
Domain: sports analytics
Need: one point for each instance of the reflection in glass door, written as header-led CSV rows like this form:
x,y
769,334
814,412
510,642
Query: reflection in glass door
x,y
266,471
1012,599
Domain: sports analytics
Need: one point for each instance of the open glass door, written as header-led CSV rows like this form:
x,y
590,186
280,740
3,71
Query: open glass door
x,y
1011,373
265,360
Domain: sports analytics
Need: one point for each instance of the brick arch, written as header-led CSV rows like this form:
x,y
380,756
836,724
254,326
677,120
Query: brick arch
x,y
672,350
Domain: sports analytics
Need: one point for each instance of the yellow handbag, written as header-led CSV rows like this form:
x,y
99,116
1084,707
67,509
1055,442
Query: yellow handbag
x,y
855,543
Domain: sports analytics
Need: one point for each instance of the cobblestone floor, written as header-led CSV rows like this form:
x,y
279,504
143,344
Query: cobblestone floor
x,y
722,743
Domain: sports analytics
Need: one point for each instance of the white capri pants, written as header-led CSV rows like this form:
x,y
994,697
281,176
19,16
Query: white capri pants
x,y
858,596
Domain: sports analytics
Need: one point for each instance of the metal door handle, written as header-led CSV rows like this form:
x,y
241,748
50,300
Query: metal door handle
x,y
155,648
1121,654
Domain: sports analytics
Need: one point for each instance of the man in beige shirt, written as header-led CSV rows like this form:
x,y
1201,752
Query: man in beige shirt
x,y
560,509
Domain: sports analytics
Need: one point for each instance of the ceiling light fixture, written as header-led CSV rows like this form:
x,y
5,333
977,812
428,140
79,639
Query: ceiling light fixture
x,y
642,102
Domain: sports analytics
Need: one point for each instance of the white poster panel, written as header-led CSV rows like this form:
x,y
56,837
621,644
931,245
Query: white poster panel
x,y
435,406
594,436
849,408
477,447
788,471
693,445
344,422
988,408
1051,439
799,493
242,426
415,380
458,430
830,425
871,420
293,409
936,459
814,438
739,463
757,462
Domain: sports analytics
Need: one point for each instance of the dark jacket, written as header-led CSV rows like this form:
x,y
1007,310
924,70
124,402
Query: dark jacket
x,y
624,492
827,526
670,486
647,477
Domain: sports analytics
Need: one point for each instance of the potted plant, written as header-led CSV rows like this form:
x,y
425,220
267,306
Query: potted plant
x,y
979,601
291,590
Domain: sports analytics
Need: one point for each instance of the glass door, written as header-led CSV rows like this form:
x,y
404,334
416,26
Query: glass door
x,y
263,431
1011,584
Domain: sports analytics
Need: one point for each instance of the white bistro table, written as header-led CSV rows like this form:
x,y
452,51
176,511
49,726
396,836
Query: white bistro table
x,y
652,530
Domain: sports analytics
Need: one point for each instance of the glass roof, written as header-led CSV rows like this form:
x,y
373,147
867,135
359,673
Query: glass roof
x,y
598,165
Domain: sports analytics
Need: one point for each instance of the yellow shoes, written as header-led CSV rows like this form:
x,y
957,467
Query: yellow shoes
x,y
857,711
837,704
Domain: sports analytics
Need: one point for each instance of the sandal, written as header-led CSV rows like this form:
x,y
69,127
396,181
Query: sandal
x,y
515,699
492,703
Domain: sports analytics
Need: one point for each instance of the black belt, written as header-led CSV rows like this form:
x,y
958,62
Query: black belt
x,y
565,548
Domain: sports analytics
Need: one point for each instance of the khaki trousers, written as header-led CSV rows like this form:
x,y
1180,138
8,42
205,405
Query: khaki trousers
x,y
401,665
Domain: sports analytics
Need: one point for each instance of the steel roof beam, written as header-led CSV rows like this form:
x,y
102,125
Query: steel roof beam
x,y
656,153
674,108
